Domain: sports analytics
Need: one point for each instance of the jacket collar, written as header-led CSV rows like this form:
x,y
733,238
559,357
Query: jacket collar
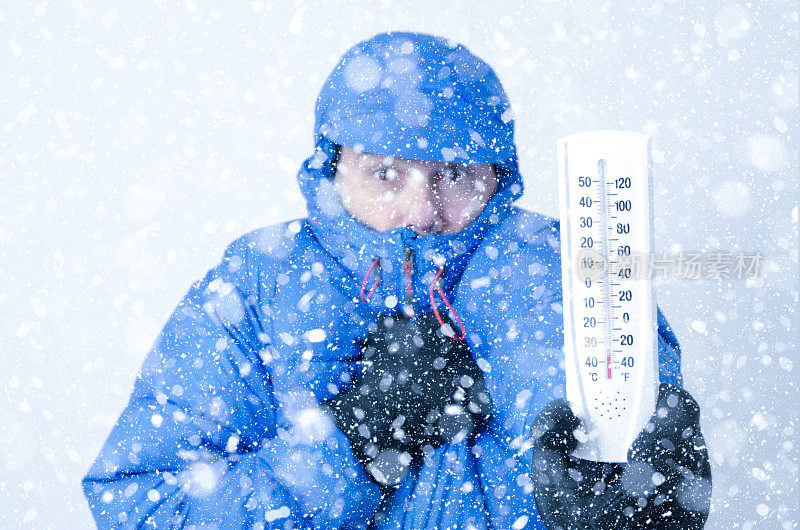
x,y
355,246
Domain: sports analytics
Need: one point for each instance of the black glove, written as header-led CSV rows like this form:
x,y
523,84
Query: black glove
x,y
418,389
665,484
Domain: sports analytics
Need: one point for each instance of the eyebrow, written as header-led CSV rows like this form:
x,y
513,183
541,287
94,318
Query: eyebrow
x,y
374,162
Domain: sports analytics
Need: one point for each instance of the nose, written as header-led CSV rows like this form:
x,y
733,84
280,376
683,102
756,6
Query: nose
x,y
423,211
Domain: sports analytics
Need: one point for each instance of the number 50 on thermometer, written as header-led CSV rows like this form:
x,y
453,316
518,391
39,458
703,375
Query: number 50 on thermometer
x,y
610,322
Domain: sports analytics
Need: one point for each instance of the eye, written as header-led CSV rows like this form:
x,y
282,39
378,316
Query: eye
x,y
454,173
385,173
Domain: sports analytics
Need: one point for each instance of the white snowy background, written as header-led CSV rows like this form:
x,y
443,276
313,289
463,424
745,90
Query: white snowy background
x,y
138,139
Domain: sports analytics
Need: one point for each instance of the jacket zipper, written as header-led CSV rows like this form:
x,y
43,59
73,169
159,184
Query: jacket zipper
x,y
408,289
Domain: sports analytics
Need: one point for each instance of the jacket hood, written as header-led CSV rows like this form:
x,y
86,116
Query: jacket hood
x,y
413,95
416,96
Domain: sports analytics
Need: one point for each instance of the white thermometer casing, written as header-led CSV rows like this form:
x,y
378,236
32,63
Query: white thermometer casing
x,y
610,319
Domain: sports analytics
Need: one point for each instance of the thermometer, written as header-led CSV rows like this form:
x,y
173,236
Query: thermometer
x,y
610,322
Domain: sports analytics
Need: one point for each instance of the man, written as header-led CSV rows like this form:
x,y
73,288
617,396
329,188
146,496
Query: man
x,y
379,363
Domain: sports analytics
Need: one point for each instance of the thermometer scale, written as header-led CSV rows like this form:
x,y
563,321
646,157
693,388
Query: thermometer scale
x,y
610,322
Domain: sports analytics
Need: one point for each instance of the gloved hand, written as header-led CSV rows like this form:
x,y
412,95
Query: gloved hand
x,y
418,390
665,484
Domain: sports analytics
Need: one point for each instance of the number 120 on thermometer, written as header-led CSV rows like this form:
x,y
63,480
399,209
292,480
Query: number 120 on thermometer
x,y
610,323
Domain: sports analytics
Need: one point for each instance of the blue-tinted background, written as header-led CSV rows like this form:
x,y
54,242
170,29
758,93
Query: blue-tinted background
x,y
137,140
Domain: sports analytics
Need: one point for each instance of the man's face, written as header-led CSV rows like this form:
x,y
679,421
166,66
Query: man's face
x,y
430,197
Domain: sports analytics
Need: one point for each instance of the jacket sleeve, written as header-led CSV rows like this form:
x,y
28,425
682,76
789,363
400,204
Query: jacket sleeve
x,y
669,353
203,440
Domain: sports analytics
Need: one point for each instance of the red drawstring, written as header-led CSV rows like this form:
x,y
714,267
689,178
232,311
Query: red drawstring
x,y
409,293
435,283
374,284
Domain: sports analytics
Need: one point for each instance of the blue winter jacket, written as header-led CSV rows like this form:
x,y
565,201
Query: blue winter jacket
x,y
223,429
